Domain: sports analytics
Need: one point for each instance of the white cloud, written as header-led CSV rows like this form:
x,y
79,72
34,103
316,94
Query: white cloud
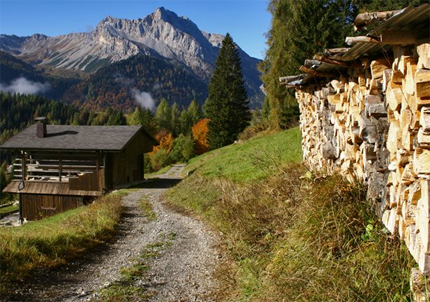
x,y
144,99
23,86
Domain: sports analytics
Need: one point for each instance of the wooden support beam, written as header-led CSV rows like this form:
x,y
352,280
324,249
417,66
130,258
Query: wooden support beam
x,y
316,73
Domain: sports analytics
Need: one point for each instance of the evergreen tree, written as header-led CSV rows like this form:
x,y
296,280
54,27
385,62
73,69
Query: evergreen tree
x,y
189,117
300,29
175,120
228,106
144,117
163,115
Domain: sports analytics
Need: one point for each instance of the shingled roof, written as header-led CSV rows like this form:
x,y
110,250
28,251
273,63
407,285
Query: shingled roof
x,y
75,138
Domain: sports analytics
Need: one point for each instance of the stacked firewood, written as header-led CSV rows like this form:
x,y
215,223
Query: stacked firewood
x,y
372,124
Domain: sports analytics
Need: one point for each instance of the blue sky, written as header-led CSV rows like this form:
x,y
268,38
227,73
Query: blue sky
x,y
246,20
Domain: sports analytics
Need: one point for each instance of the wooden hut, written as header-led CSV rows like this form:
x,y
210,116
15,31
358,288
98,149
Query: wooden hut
x,y
60,167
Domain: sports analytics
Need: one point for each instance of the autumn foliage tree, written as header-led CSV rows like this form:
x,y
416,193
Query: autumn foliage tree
x,y
200,135
159,156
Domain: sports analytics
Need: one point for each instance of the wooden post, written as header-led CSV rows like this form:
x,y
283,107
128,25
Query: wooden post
x,y
60,167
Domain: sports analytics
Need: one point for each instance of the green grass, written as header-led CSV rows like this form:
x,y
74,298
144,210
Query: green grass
x,y
53,240
254,159
9,209
146,208
293,237
159,172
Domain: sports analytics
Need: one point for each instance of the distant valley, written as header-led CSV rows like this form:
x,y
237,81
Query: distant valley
x,y
162,55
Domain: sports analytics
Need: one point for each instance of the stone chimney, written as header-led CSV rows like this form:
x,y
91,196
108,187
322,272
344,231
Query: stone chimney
x,y
41,126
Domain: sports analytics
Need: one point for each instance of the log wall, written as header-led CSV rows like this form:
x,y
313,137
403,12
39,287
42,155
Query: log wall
x,y
373,125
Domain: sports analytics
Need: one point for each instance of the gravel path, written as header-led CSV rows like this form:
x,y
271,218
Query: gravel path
x,y
183,271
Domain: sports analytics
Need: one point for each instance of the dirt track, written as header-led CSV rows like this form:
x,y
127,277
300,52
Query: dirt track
x,y
183,271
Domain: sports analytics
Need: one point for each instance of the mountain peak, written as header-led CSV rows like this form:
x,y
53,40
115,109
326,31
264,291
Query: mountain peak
x,y
164,14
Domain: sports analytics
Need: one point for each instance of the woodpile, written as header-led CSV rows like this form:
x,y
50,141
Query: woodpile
x,y
372,124
365,113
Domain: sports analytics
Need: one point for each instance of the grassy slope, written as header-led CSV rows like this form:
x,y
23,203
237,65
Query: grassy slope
x,y
238,162
51,241
293,238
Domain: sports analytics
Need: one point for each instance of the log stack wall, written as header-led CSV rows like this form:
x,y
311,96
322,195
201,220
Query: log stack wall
x,y
372,124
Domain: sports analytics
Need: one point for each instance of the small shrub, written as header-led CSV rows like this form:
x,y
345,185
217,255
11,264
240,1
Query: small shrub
x,y
183,149
159,159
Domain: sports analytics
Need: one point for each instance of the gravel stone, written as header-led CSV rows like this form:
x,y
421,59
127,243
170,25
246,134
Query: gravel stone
x,y
183,271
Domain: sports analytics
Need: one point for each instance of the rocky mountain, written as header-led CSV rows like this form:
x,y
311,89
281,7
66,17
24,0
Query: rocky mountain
x,y
161,34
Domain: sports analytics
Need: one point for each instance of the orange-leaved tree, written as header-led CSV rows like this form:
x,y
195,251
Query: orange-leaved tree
x,y
159,156
200,135
165,139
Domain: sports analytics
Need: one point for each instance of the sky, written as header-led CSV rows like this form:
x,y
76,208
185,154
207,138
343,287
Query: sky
x,y
247,21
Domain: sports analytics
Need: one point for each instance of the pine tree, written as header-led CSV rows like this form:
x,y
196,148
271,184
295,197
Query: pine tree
x,y
189,117
299,29
163,115
228,104
174,120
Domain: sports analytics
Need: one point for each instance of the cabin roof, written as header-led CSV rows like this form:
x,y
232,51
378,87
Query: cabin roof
x,y
75,138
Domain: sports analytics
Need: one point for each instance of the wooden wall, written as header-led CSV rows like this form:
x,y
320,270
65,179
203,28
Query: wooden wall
x,y
35,207
127,166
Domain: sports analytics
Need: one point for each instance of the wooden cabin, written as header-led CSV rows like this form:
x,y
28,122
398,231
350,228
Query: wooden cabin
x,y
59,167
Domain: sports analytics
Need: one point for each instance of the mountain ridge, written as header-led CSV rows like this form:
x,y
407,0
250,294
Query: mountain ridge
x,y
161,34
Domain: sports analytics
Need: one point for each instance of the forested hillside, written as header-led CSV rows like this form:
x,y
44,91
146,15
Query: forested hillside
x,y
118,85
300,29
18,76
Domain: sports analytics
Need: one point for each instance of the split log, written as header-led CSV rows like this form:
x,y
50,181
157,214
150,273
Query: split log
x,y
360,39
422,79
423,139
336,51
411,68
421,161
423,51
395,97
425,120
377,67
316,73
371,18
386,78
312,63
335,62
294,80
